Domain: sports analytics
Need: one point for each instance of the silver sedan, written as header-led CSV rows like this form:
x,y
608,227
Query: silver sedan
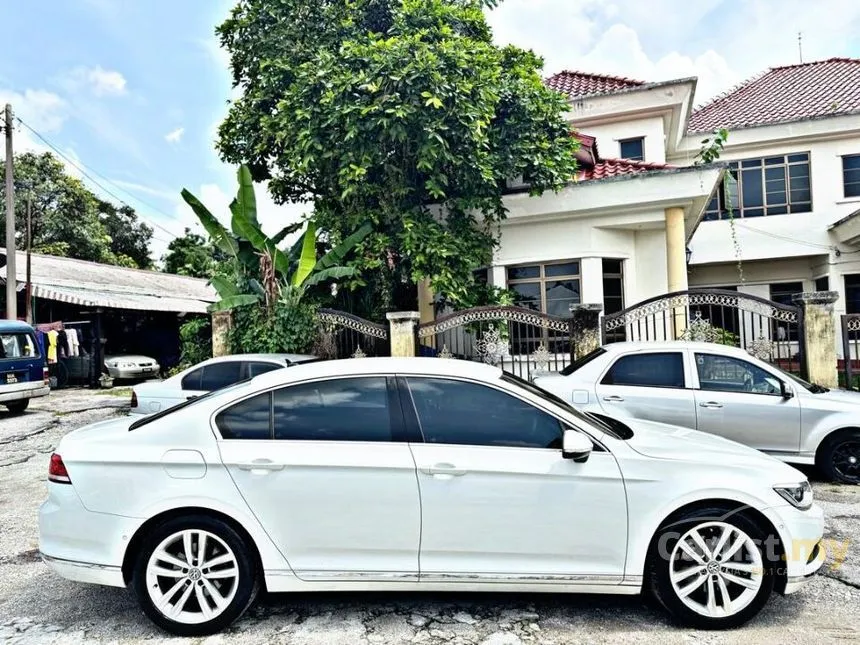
x,y
721,390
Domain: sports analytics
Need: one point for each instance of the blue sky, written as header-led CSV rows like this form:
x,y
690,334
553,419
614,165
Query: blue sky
x,y
134,89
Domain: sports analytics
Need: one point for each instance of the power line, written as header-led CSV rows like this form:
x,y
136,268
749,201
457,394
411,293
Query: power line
x,y
77,165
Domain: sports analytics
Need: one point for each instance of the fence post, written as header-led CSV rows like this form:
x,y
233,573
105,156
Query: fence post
x,y
585,329
222,323
404,340
819,337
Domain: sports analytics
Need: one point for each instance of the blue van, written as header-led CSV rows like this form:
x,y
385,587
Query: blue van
x,y
23,373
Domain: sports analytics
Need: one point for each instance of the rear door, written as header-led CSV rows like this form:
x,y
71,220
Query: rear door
x,y
651,385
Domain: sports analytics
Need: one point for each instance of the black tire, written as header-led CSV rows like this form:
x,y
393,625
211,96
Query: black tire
x,y
660,563
241,592
834,454
17,407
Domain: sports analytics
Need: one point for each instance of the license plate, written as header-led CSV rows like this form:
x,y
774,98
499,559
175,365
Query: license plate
x,y
11,378
147,369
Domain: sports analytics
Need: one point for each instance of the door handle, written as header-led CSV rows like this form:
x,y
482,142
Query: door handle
x,y
448,470
614,398
262,465
713,405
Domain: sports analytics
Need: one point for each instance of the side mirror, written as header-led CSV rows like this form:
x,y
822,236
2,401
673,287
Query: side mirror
x,y
576,446
785,391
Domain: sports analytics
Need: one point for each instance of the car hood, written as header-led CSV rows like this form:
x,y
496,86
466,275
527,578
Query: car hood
x,y
838,396
663,441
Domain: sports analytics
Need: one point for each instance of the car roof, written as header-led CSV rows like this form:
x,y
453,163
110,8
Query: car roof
x,y
14,325
370,366
658,345
292,358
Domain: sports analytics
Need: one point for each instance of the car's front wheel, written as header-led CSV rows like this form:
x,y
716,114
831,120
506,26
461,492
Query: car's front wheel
x,y
194,576
711,569
839,457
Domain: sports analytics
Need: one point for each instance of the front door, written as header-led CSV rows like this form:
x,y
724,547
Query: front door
x,y
324,470
741,401
648,385
499,502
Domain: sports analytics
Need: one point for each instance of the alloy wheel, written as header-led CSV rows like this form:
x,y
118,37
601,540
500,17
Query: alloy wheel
x,y
846,460
192,576
716,569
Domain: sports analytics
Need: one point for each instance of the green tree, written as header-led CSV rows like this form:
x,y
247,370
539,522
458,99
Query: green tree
x,y
69,220
401,112
191,255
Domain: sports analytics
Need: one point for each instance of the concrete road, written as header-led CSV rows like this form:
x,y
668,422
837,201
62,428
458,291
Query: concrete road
x,y
38,607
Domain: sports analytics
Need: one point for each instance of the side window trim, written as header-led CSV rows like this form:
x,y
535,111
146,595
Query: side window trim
x,y
409,415
687,381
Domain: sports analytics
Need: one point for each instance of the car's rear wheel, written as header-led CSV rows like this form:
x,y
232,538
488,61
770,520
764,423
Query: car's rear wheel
x,y
194,576
839,457
710,570
17,407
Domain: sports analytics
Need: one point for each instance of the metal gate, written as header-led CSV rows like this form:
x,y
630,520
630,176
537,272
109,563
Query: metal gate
x,y
520,341
849,372
343,335
768,330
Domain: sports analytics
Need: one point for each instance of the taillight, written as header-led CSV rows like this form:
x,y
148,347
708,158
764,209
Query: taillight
x,y
46,376
57,472
133,399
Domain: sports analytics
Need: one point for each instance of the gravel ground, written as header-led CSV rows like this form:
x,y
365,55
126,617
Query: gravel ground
x,y
38,607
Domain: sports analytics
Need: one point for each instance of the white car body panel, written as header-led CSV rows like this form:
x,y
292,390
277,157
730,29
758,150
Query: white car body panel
x,y
349,515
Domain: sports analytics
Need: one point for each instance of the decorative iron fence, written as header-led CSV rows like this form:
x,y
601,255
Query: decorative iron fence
x,y
768,330
520,341
849,369
343,335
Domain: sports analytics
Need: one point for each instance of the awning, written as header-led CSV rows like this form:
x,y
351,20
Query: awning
x,y
87,297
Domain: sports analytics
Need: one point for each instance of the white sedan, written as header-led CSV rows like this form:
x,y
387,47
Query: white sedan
x,y
721,390
207,376
132,367
419,475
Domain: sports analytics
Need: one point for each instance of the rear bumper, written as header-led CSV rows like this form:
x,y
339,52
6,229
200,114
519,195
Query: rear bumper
x,y
38,389
97,574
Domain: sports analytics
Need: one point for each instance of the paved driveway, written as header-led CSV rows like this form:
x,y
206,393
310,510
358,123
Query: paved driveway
x,y
38,607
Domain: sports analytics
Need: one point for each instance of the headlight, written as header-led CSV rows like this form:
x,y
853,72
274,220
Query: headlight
x,y
799,495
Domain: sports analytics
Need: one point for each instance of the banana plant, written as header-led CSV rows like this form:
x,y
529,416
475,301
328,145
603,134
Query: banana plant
x,y
298,269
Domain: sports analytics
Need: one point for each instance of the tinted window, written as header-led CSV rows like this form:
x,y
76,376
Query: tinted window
x,y
192,381
250,419
255,369
218,375
633,149
349,409
455,412
728,374
647,370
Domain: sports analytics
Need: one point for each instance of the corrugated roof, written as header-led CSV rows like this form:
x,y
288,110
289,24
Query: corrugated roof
x,y
101,285
576,84
783,94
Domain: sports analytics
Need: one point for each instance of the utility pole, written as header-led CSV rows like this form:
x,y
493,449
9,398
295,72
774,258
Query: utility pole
x,y
800,45
29,306
11,274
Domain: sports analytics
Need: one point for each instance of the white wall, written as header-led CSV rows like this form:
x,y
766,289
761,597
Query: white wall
x,y
609,137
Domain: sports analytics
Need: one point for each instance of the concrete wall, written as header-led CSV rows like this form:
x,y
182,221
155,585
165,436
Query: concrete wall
x,y
610,135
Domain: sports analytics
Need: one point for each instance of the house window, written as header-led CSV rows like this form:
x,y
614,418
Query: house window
x,y
766,186
549,288
852,293
822,283
851,175
633,149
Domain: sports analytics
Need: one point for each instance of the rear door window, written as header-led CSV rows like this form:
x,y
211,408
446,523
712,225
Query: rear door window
x,y
255,368
17,345
192,380
218,375
653,369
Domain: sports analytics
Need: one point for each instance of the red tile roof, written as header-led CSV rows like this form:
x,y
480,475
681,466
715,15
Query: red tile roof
x,y
606,168
781,94
576,84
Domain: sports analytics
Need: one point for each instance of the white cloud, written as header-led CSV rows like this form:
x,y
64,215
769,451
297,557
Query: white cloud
x,y
99,81
174,136
42,110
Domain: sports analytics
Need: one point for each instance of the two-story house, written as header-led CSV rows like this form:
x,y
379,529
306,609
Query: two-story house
x,y
643,220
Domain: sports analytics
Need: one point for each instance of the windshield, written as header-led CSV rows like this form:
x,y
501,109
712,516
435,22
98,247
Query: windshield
x,y
184,404
616,430
582,362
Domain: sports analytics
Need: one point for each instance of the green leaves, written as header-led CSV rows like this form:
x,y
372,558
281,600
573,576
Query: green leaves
x,y
219,235
308,257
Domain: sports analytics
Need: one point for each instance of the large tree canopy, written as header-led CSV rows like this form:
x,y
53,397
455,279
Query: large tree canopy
x,y
70,220
400,112
192,255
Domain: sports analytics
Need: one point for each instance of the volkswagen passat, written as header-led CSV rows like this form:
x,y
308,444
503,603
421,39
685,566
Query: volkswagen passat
x,y
419,474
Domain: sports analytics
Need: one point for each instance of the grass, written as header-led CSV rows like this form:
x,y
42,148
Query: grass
x,y
116,391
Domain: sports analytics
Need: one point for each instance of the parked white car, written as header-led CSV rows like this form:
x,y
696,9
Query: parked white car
x,y
723,391
207,376
418,474
130,367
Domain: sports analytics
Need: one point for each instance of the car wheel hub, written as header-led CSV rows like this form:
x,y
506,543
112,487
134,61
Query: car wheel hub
x,y
716,569
192,576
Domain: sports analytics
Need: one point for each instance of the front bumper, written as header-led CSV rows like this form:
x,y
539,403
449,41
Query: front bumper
x,y
800,534
134,372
